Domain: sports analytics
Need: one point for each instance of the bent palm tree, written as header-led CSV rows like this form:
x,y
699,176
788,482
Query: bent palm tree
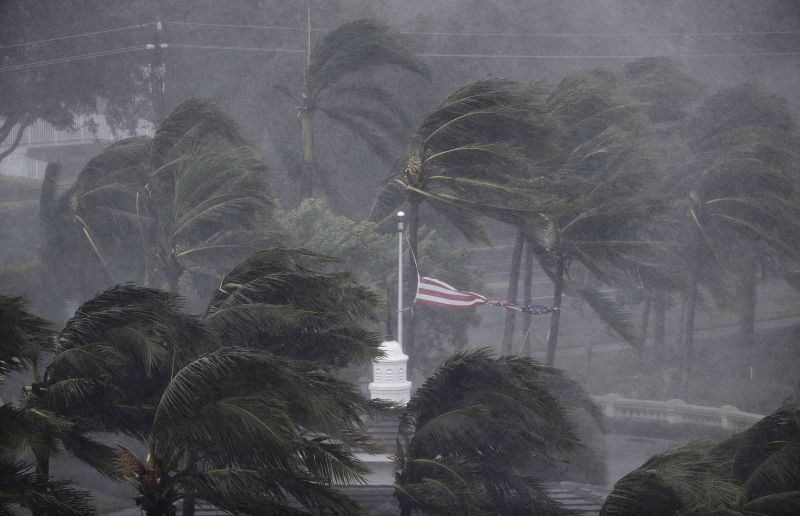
x,y
263,431
738,187
467,155
230,410
474,435
193,194
363,107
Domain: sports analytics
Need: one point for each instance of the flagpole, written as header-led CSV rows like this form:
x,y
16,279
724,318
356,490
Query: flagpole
x,y
400,227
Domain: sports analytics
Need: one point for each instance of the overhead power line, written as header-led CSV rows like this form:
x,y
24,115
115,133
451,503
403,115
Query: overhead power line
x,y
511,34
499,56
230,26
619,56
116,51
71,36
244,49
67,59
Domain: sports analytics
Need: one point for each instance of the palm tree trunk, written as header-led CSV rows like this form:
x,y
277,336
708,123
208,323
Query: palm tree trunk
x,y
307,144
659,319
173,276
555,316
643,337
747,301
43,470
527,298
688,325
189,500
511,297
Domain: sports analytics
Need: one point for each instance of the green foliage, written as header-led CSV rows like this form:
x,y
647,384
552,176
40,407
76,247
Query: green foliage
x,y
361,247
23,339
466,153
355,46
338,84
247,394
474,436
21,487
754,472
23,336
280,300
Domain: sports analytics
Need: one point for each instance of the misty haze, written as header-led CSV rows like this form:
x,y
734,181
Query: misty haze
x,y
364,257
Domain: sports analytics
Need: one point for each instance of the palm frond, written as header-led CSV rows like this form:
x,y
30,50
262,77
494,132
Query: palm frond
x,y
25,335
356,46
20,487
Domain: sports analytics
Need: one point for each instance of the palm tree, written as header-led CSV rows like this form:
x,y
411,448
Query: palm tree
x,y
475,435
465,156
262,431
24,338
192,195
333,86
283,301
754,472
259,367
738,187
601,171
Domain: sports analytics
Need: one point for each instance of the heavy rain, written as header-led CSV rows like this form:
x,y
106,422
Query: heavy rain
x,y
368,257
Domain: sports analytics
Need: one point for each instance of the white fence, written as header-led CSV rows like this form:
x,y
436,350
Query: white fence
x,y
674,411
88,129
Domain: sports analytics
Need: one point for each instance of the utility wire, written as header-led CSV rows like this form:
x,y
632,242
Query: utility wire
x,y
247,49
226,25
512,34
631,56
103,53
61,38
500,56
67,59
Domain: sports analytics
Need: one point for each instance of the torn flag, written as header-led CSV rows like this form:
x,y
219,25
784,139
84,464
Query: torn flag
x,y
438,293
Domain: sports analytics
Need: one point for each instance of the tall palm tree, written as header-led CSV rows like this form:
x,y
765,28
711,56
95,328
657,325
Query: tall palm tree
x,y
739,187
193,195
333,85
475,435
465,156
601,171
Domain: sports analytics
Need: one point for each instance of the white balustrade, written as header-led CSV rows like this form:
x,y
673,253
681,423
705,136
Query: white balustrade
x,y
675,411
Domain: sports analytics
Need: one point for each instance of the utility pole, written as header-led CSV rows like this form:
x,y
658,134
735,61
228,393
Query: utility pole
x,y
156,74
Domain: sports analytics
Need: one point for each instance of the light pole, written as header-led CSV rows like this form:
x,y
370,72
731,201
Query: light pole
x,y
400,228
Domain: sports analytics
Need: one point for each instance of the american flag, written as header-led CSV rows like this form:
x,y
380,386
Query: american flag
x,y
438,293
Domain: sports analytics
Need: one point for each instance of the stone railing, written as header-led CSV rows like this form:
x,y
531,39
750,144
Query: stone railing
x,y
675,411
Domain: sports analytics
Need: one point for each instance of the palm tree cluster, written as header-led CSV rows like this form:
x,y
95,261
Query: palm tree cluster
x,y
241,407
754,472
629,175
